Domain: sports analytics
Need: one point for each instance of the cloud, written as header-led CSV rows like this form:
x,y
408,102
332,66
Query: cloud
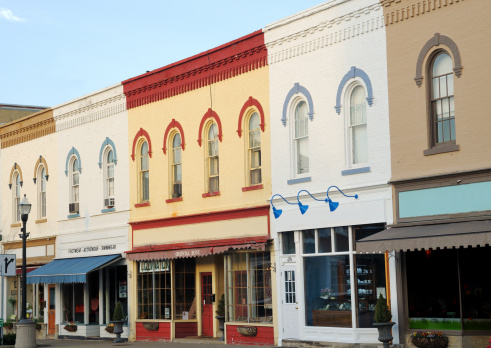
x,y
8,15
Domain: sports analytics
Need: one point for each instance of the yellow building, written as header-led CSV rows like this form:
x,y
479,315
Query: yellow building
x,y
199,185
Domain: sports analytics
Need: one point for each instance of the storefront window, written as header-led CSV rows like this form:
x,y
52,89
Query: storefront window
x,y
434,297
185,289
249,294
154,290
288,241
73,303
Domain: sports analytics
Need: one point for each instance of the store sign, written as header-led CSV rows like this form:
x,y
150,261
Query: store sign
x,y
7,265
157,266
89,249
122,289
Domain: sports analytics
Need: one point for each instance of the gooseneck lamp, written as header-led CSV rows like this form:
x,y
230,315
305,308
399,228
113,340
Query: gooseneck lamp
x,y
334,205
303,207
277,212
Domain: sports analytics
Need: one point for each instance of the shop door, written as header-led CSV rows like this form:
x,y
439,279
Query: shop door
x,y
51,309
207,305
290,303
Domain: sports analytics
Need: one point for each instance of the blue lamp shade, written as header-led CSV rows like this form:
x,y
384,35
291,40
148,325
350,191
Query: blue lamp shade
x,y
333,205
277,212
303,208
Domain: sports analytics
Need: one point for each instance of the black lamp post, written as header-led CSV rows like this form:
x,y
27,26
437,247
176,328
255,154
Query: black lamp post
x,y
26,334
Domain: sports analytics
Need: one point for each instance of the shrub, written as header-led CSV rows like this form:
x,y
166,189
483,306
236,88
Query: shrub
x,y
221,307
382,311
118,312
9,339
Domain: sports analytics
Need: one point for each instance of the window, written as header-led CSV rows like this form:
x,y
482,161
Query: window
x,y
41,182
73,207
109,178
16,198
212,159
249,293
442,99
176,166
340,285
154,289
288,241
358,126
144,173
301,137
185,289
254,150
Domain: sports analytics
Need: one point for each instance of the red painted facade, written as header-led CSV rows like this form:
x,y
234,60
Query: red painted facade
x,y
162,334
220,63
265,336
186,329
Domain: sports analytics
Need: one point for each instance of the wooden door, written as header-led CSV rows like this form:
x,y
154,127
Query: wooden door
x,y
207,305
51,309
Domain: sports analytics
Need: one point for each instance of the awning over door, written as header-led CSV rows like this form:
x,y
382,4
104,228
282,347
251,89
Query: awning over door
x,y
449,235
69,270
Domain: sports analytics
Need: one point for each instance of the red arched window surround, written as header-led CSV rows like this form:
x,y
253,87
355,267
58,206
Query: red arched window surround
x,y
173,124
141,133
251,102
207,115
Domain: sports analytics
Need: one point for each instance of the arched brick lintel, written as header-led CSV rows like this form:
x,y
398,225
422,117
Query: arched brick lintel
x,y
251,102
210,113
173,124
141,133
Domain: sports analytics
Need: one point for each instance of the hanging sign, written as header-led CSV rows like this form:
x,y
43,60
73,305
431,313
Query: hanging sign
x,y
122,289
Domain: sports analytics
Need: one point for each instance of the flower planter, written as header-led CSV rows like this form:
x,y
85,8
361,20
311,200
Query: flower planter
x,y
70,328
384,332
430,342
110,329
247,330
151,326
221,324
118,330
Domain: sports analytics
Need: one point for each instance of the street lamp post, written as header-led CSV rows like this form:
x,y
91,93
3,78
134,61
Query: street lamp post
x,y
26,328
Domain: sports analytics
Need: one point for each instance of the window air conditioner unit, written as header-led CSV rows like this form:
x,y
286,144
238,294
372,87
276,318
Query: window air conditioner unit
x,y
73,208
109,202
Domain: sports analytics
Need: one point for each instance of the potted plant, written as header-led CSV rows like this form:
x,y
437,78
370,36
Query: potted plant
x,y
118,321
110,328
13,301
221,315
71,327
431,339
382,321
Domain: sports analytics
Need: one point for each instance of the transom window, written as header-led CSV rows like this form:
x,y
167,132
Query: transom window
x,y
442,99
301,136
41,180
254,150
176,166
144,173
358,126
212,159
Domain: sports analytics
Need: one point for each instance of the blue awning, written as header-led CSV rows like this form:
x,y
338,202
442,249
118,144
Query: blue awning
x,y
69,270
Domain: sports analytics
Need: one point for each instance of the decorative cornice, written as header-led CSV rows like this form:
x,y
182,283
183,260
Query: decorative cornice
x,y
403,10
336,30
227,61
30,132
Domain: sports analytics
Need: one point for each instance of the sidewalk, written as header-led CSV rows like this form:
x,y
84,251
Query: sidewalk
x,y
107,343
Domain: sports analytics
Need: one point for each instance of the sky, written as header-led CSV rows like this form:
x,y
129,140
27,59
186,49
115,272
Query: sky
x,y
53,51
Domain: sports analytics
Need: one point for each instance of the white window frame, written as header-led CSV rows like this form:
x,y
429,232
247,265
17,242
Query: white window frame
x,y
41,192
74,180
296,140
16,196
253,143
211,155
349,147
141,172
176,163
108,179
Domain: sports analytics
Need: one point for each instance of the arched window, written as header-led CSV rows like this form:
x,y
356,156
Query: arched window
x,y
254,152
109,178
41,183
442,99
212,159
16,198
358,126
301,138
176,166
144,183
74,186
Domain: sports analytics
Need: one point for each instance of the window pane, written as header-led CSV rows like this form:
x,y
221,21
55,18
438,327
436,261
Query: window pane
x,y
110,157
436,88
185,289
364,231
360,140
325,244
308,241
341,238
302,155
145,186
442,65
176,141
443,86
301,120
327,291
450,84
445,108
288,241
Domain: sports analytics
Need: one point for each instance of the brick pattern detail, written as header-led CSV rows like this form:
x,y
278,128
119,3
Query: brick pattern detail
x,y
402,12
188,329
31,132
265,336
221,63
162,334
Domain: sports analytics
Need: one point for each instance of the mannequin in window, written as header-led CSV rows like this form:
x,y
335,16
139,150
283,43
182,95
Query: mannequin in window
x,y
94,308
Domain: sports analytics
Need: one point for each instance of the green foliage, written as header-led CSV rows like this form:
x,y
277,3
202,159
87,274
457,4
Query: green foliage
x,y
13,301
382,311
221,306
118,312
9,339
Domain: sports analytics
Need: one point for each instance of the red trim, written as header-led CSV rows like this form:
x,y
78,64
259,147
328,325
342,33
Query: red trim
x,y
252,188
251,102
200,244
139,205
186,329
162,334
198,218
210,113
172,200
210,194
18,270
220,63
141,133
264,336
174,124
